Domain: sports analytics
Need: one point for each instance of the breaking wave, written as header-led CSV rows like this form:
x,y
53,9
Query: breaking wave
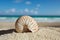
x,y
38,19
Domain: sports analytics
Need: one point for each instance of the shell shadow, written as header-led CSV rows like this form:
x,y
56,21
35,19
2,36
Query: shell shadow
x,y
2,32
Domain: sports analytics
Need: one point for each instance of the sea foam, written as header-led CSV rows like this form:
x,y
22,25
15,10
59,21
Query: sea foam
x,y
38,19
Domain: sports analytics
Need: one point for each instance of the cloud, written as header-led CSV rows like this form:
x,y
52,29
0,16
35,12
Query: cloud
x,y
13,10
34,11
28,2
38,5
26,10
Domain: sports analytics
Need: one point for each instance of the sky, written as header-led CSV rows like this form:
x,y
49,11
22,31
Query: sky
x,y
30,7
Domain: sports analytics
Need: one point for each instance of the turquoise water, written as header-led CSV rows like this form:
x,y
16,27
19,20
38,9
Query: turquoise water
x,y
37,18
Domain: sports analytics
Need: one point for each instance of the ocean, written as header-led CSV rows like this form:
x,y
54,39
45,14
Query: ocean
x,y
37,18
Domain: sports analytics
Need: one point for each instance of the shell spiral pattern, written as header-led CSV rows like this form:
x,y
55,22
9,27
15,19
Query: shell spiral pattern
x,y
26,23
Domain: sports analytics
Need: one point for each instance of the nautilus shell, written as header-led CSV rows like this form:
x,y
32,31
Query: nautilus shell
x,y
25,24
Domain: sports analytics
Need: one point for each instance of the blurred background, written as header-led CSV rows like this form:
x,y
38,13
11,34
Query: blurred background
x,y
45,12
30,7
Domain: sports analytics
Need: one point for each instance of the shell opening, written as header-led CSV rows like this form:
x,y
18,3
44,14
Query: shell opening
x,y
26,29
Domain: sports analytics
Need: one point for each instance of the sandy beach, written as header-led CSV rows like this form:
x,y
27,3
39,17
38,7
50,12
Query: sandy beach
x,y
29,19
7,25
47,31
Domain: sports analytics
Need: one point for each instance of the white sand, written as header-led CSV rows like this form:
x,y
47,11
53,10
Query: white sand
x,y
42,34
